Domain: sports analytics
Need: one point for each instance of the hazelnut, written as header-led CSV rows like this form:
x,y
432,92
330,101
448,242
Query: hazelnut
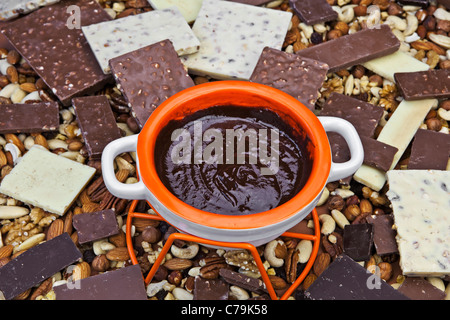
x,y
382,4
433,124
360,11
100,263
365,206
429,23
376,79
151,234
444,64
352,200
385,270
359,71
445,105
342,26
175,277
431,114
336,202
394,9
443,25
421,32
334,34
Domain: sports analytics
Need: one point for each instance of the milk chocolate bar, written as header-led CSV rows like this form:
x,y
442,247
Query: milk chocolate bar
x,y
95,225
299,77
97,123
434,83
420,289
126,283
58,51
378,154
353,49
383,234
429,150
29,118
313,11
149,76
37,264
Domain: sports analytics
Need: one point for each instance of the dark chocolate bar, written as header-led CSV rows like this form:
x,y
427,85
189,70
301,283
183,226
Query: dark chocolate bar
x,y
434,83
358,241
313,11
243,281
378,154
353,49
56,51
29,118
345,279
121,284
95,225
148,76
299,77
430,150
210,289
445,3
420,289
37,264
383,234
97,123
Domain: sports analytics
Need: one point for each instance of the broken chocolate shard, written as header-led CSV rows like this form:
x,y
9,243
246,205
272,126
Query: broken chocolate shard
x,y
423,150
243,281
358,241
355,48
97,123
37,264
126,283
299,77
345,279
149,76
419,85
420,3
95,225
210,289
29,118
383,234
378,154
60,55
420,289
313,11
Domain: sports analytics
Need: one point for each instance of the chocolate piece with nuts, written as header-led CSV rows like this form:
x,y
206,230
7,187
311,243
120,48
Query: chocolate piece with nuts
x,y
434,83
149,76
299,77
59,55
96,225
430,150
313,11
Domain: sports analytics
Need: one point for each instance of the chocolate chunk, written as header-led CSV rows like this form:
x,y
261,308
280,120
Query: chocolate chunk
x,y
97,123
345,279
252,2
339,148
434,83
420,289
378,154
95,225
122,284
313,11
214,289
383,234
59,55
29,118
353,49
420,3
299,77
243,281
37,264
429,150
149,76
358,241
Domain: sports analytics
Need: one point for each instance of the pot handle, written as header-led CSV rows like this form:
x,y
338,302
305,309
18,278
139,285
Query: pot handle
x,y
348,132
135,191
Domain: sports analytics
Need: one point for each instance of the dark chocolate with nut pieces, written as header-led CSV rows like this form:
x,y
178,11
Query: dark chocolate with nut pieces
x,y
434,83
58,53
313,11
430,150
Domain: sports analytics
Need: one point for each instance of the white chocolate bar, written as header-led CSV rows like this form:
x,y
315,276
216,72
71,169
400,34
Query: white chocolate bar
x,y
232,37
10,9
114,38
46,180
421,206
188,8
396,62
398,132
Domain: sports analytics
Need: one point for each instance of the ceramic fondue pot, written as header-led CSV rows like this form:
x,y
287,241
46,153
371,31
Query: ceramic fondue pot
x,y
257,228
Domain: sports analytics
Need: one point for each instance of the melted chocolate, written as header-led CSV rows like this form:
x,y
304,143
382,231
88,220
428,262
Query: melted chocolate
x,y
234,181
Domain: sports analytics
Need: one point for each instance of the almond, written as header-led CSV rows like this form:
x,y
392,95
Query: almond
x,y
122,175
12,74
40,140
81,271
118,254
119,240
68,219
12,138
310,278
178,264
141,223
3,159
55,229
6,251
277,282
28,87
422,45
322,262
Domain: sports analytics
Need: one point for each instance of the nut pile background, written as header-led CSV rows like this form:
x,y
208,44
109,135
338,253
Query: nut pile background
x,y
424,35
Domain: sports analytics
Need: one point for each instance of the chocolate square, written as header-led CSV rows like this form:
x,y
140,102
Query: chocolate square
x,y
420,289
313,11
430,150
358,241
383,234
299,77
210,289
243,281
434,83
96,225
148,76
378,154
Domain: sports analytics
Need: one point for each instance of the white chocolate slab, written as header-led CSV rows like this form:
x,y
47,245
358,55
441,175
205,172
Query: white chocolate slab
x,y
398,132
114,38
421,207
46,180
396,62
10,9
232,37
188,8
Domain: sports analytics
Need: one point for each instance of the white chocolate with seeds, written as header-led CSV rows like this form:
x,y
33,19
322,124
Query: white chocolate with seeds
x,y
232,37
189,9
114,38
421,206
46,180
10,9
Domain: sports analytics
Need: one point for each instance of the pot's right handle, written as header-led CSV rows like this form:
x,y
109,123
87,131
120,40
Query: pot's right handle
x,y
135,191
348,132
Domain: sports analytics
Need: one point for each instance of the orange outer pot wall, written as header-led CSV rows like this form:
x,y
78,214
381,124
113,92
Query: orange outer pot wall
x,y
239,93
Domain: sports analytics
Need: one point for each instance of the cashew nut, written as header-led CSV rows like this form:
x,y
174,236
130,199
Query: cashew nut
x,y
8,90
373,16
305,249
412,24
182,294
346,13
307,30
4,65
328,224
185,253
323,197
269,253
441,14
340,218
238,293
154,287
444,114
14,150
396,23
441,40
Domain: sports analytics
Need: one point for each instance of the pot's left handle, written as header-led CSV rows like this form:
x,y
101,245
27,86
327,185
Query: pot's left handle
x,y
135,191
